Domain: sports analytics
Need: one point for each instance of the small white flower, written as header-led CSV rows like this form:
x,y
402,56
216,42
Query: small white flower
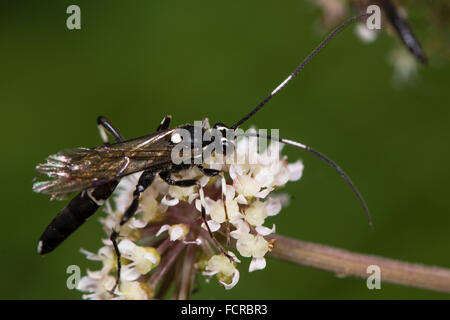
x,y
264,177
242,228
192,197
273,206
256,213
233,282
232,255
151,210
105,255
241,199
225,270
181,193
219,215
295,170
169,203
143,259
264,193
217,212
97,284
250,245
281,175
134,290
214,226
235,171
257,264
246,185
162,229
178,231
264,231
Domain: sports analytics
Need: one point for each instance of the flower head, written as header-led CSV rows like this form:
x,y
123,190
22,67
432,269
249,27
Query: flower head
x,y
168,233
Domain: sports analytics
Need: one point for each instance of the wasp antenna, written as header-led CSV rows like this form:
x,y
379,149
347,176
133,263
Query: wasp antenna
x,y
324,158
299,68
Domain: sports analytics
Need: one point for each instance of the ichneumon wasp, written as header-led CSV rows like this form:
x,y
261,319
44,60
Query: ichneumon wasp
x,y
95,172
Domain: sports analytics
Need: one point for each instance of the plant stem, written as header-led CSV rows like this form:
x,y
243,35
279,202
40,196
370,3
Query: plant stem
x,y
345,263
186,273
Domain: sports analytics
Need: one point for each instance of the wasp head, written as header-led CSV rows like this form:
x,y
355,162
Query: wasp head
x,y
219,139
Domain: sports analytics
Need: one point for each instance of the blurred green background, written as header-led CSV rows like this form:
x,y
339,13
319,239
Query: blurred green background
x,y
136,61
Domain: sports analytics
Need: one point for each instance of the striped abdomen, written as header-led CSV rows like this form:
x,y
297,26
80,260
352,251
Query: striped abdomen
x,y
74,215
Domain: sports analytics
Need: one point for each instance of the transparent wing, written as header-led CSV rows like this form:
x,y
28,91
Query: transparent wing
x,y
76,169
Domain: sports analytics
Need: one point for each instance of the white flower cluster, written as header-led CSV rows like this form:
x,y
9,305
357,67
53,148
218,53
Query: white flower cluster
x,y
168,222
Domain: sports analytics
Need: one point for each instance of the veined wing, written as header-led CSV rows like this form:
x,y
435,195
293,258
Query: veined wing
x,y
76,169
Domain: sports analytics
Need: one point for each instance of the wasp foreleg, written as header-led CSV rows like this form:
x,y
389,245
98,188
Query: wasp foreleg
x,y
217,243
213,173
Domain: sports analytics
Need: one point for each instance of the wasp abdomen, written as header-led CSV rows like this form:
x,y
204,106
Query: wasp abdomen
x,y
72,216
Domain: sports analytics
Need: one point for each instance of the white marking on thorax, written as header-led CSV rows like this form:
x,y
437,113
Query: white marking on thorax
x,y
176,138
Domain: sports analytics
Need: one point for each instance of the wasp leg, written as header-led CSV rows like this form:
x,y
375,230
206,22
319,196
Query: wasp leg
x,y
113,238
213,173
218,244
227,219
209,172
105,126
165,175
165,123
144,182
